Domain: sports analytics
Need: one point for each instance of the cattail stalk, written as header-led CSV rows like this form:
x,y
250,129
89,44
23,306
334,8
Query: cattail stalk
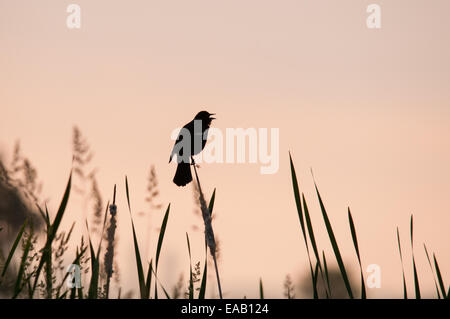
x,y
110,233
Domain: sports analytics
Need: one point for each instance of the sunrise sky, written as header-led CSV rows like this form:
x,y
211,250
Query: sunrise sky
x,y
367,109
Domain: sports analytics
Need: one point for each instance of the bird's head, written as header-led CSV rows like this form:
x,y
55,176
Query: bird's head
x,y
205,117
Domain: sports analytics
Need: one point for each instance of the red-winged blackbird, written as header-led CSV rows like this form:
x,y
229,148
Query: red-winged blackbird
x,y
190,141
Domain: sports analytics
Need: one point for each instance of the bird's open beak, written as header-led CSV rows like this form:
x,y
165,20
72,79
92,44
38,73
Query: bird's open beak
x,y
212,118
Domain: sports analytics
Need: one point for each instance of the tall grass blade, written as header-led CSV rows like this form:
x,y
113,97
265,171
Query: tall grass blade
x,y
298,204
41,212
51,233
191,277
416,277
261,289
432,272
311,231
63,296
316,274
355,243
159,282
312,239
61,209
95,271
334,244
441,281
140,270
148,281
80,293
161,235
202,292
325,267
211,202
95,262
416,281
160,242
20,276
103,229
47,216
405,291
14,247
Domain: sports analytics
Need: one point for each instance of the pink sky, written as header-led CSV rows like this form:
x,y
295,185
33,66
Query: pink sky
x,y
368,110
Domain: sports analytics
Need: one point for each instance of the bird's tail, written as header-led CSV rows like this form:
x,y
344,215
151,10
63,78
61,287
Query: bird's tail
x,y
183,175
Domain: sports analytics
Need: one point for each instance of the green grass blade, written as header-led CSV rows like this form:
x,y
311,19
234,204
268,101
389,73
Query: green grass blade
x,y
202,292
158,282
161,235
44,215
73,293
405,291
211,202
47,216
354,237
432,272
14,247
140,270
261,289
363,287
61,209
127,191
20,276
80,293
311,231
441,282
302,222
160,242
191,279
416,281
298,202
325,267
416,277
51,233
334,245
355,244
29,288
316,275
103,229
148,281
63,296
312,239
95,271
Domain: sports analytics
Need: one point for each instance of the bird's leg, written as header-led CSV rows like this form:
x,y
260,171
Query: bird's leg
x,y
193,162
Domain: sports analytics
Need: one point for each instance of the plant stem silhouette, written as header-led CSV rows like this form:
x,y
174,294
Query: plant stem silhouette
x,y
209,232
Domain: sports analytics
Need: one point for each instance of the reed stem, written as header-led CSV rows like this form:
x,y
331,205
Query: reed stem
x,y
209,232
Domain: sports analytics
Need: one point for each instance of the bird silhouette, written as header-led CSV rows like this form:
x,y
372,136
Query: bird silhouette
x,y
190,141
